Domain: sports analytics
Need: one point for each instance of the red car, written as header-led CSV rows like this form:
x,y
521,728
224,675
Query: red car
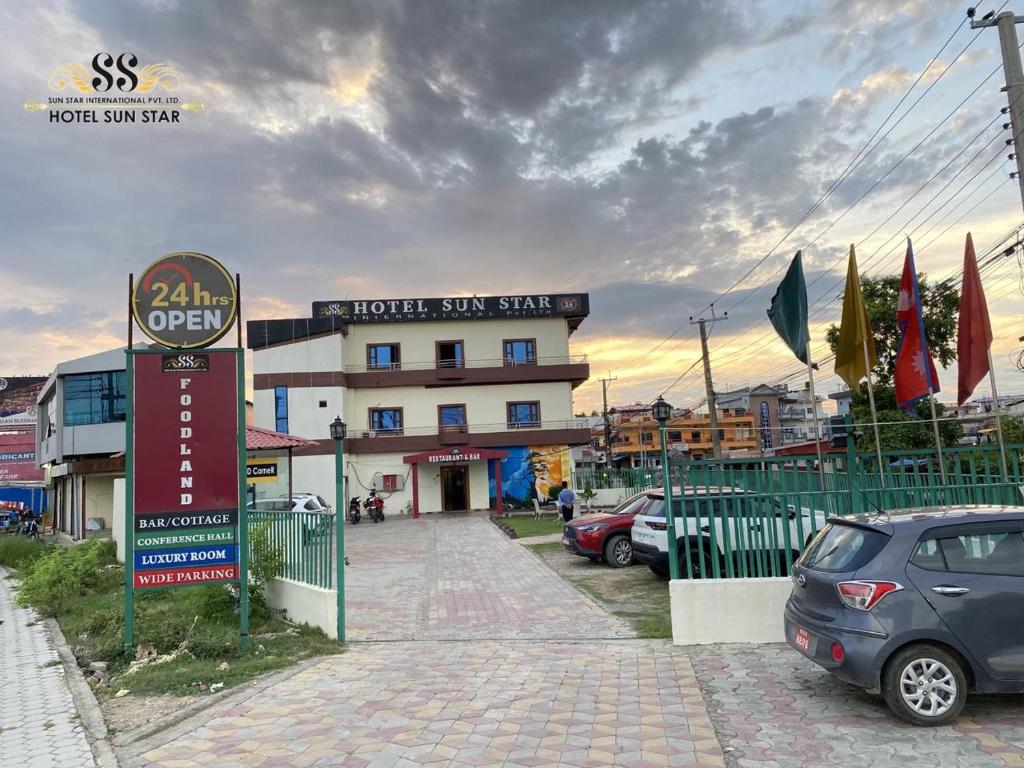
x,y
605,535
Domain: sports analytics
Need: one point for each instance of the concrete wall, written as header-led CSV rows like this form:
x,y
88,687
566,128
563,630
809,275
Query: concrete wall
x,y
708,611
99,499
305,604
319,354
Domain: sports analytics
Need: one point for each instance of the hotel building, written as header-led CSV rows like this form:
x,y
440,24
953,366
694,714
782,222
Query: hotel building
x,y
451,403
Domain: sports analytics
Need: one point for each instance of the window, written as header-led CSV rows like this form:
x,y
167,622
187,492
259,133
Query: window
x,y
383,356
451,418
281,409
695,436
386,420
842,548
520,352
675,437
721,434
522,415
450,354
995,553
94,398
647,438
51,416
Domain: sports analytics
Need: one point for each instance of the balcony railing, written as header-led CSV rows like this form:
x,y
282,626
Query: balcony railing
x,y
464,429
479,362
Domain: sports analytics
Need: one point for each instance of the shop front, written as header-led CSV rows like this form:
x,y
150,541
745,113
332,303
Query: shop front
x,y
454,467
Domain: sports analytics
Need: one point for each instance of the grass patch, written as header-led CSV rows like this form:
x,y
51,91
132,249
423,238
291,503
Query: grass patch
x,y
83,588
18,552
546,547
534,526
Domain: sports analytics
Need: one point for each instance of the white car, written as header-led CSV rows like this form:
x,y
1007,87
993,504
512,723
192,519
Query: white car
x,y
299,502
725,528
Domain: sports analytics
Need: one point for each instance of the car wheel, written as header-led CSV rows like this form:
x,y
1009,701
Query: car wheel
x,y
618,551
925,685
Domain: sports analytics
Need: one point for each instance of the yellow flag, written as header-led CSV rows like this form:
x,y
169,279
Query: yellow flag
x,y
854,332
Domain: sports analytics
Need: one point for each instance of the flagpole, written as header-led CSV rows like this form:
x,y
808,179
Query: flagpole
x,y
999,421
935,427
874,413
814,410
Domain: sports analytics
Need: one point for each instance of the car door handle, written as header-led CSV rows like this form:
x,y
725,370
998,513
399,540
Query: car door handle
x,y
951,591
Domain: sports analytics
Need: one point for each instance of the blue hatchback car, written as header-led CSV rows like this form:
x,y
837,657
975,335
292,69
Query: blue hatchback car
x,y
920,605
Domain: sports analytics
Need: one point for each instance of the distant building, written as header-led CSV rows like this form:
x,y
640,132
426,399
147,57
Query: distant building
x,y
797,416
637,443
844,402
763,403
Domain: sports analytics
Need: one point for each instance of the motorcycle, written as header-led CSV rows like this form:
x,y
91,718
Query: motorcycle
x,y
353,510
30,525
374,506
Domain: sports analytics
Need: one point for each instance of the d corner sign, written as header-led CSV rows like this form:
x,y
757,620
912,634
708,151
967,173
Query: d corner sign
x,y
185,523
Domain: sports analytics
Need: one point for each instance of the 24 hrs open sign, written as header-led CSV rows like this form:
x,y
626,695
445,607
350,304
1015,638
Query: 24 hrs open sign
x,y
185,300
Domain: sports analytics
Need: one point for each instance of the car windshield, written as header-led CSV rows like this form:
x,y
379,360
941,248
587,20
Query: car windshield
x,y
842,548
631,505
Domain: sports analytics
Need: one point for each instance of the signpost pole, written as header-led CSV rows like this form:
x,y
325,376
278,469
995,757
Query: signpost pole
x,y
339,516
129,504
243,511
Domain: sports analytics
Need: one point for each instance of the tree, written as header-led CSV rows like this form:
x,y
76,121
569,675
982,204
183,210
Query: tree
x,y
940,303
1013,430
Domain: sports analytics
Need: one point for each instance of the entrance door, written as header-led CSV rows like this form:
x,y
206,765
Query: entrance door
x,y
454,488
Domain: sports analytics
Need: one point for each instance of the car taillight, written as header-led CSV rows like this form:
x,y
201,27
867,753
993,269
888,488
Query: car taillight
x,y
656,525
838,653
864,595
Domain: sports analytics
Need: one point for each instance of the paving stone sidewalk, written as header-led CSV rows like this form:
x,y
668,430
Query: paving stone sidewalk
x,y
402,705
460,578
39,725
774,709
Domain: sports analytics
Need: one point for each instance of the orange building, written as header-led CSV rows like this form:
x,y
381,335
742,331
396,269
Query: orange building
x,y
637,443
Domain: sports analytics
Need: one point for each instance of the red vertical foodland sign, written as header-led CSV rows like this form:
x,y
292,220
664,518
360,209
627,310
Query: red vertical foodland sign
x,y
185,467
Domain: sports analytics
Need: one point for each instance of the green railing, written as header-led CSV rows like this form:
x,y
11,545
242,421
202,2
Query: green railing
x,y
751,517
635,480
304,539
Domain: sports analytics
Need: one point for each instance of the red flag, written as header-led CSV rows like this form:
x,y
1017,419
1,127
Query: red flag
x,y
915,371
974,334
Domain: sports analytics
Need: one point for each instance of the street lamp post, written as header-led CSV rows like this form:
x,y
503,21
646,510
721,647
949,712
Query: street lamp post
x,y
338,431
662,411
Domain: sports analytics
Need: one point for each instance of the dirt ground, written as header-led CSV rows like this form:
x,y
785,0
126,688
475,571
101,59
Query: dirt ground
x,y
131,712
635,593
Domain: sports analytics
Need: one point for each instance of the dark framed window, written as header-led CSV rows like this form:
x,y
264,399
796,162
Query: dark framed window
x,y
451,418
450,354
94,398
695,436
675,437
520,351
387,356
281,409
386,421
523,415
646,438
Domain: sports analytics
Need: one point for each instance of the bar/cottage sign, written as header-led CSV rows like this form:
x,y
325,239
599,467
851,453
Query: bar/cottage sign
x,y
455,308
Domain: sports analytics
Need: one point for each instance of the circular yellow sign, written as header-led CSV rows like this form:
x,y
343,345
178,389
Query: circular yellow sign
x,y
185,300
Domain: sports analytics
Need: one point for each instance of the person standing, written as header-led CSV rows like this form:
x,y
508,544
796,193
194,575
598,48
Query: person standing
x,y
566,500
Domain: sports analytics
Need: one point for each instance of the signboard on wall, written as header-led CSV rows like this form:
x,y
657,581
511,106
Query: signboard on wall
x,y
18,400
186,473
261,470
454,308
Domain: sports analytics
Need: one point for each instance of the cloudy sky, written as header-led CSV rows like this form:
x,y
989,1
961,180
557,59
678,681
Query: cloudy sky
x,y
649,152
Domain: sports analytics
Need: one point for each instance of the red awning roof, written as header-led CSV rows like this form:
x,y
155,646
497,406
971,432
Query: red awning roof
x,y
257,439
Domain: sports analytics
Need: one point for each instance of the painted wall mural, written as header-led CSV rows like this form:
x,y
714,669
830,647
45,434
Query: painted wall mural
x,y
531,472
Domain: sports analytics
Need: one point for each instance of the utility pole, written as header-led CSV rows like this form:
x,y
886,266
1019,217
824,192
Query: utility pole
x,y
607,422
1014,74
716,443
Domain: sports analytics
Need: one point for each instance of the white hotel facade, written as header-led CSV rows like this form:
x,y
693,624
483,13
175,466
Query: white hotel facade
x,y
451,403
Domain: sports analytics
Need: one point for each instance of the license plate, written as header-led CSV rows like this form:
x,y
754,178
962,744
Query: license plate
x,y
803,640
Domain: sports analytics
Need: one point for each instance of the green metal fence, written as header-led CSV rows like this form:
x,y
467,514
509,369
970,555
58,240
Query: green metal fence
x,y
751,517
304,539
635,480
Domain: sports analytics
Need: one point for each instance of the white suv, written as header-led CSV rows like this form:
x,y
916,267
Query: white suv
x,y
754,528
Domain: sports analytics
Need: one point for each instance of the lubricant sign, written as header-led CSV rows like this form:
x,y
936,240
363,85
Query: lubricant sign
x,y
186,472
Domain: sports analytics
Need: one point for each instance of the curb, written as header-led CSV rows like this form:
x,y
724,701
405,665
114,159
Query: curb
x,y
85,701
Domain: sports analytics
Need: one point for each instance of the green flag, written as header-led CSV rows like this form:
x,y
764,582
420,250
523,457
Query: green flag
x,y
788,311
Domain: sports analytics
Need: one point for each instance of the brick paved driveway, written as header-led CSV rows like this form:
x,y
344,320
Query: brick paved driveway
x,y
39,726
460,578
774,709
